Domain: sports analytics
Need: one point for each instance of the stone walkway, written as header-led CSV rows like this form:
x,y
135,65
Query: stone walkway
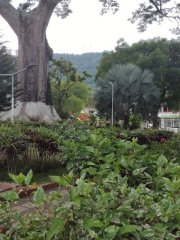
x,y
5,186
24,204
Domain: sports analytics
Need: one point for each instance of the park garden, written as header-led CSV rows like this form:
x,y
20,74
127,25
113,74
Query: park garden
x,y
121,184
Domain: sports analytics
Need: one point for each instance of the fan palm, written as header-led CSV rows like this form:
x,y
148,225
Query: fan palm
x,y
134,92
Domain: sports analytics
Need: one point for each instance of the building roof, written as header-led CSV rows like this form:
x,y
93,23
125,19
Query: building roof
x,y
170,116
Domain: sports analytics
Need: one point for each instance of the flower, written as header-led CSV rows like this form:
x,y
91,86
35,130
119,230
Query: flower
x,y
2,228
162,139
1,181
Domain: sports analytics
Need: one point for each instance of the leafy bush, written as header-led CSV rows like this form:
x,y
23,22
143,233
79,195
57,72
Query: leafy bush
x,y
130,195
169,147
148,136
135,121
13,143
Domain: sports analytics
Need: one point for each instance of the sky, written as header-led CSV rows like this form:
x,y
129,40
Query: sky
x,y
87,31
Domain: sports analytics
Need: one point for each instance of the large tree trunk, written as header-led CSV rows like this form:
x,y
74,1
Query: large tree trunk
x,y
35,104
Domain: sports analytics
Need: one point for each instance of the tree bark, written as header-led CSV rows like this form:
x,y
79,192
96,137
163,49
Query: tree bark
x,y
30,28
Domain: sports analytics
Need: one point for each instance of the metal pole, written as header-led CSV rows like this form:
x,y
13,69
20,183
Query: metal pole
x,y
12,75
112,103
12,97
112,120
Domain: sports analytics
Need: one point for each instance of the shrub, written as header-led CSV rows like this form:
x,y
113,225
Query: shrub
x,y
120,199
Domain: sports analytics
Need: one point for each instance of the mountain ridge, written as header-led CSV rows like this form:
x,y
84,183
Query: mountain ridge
x,y
83,62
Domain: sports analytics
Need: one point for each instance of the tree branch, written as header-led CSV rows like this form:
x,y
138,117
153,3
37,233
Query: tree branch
x,y
10,14
45,10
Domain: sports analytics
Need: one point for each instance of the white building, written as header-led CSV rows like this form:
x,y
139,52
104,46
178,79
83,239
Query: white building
x,y
168,119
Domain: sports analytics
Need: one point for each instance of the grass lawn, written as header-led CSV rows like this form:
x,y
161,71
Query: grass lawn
x,y
43,177
55,169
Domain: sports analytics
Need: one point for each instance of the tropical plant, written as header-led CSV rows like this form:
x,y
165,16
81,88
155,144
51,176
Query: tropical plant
x,y
159,55
134,91
118,197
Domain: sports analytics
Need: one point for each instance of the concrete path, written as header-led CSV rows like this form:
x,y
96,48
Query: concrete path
x,y
24,205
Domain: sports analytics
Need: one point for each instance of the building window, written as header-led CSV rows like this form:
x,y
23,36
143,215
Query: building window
x,y
165,109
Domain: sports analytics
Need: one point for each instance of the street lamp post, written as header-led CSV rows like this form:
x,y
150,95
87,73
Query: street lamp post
x,y
12,77
112,103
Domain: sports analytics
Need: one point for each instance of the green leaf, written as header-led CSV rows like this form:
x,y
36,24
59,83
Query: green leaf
x,y
109,158
127,229
74,192
90,149
17,179
161,161
91,170
20,178
159,227
90,163
90,222
56,227
148,233
93,234
168,184
123,162
138,171
101,142
10,196
38,196
111,231
176,184
28,178
60,180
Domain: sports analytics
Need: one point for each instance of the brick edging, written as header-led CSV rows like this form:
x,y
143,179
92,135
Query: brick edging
x,y
27,191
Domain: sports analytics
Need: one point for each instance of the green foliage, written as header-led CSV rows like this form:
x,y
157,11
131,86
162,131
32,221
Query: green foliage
x,y
135,121
134,91
85,61
156,11
158,55
12,144
68,90
6,67
149,137
124,193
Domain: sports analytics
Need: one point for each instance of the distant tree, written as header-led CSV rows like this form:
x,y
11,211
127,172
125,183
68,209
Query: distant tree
x,y
160,56
6,66
134,92
83,62
156,11
77,101
64,79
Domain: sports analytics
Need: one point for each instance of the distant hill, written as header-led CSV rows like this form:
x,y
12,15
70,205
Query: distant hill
x,y
83,62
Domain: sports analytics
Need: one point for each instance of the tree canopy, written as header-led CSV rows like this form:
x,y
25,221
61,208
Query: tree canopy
x,y
6,67
134,92
160,56
65,82
156,11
